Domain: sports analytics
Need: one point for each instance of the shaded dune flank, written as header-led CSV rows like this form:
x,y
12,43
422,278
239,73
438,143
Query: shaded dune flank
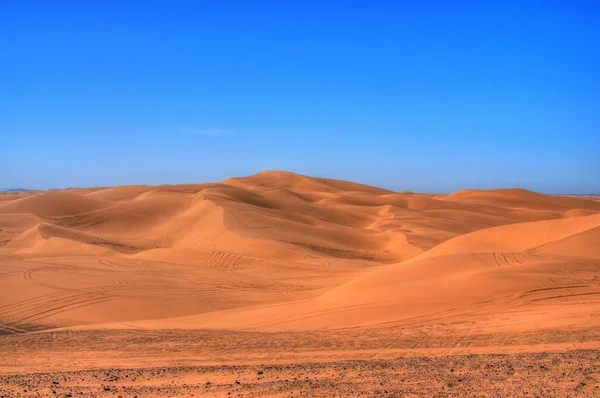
x,y
483,270
281,251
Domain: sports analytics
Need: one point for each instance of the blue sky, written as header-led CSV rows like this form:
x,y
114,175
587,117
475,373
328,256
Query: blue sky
x,y
427,96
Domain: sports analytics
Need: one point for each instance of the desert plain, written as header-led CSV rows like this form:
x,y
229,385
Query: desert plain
x,y
280,284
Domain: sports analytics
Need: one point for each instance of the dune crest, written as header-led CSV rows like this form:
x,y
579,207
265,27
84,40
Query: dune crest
x,y
521,198
283,251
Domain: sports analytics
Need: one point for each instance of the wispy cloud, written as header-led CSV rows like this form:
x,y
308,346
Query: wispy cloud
x,y
212,132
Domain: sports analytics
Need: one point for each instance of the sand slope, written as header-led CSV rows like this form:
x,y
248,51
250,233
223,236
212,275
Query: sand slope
x,y
555,261
521,198
281,251
281,284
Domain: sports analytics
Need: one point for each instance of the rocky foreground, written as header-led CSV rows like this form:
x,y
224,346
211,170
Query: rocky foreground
x,y
570,374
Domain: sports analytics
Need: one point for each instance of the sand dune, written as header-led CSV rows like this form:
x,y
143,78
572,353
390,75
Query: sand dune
x,y
481,268
295,255
299,183
393,256
521,198
55,203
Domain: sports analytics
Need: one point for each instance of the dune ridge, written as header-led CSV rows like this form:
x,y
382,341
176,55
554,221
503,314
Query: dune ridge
x,y
282,251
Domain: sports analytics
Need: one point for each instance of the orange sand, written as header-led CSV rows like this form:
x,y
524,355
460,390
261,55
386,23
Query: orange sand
x,y
286,253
